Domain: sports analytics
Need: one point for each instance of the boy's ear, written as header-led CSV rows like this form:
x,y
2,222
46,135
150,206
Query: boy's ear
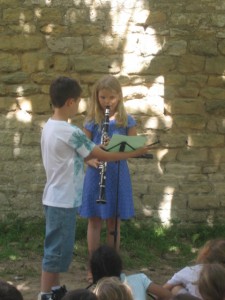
x,y
69,101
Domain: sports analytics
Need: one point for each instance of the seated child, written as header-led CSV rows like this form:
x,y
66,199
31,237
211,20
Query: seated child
x,y
211,282
9,291
185,280
80,294
111,288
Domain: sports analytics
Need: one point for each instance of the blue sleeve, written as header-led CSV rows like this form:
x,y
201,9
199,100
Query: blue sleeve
x,y
89,126
130,121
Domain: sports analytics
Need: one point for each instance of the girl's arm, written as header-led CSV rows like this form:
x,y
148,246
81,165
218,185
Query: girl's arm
x,y
160,292
174,288
169,286
132,131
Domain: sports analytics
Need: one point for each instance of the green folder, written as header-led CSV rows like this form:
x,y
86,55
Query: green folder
x,y
124,143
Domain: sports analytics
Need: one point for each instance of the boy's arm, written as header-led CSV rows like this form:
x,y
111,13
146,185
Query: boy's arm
x,y
103,155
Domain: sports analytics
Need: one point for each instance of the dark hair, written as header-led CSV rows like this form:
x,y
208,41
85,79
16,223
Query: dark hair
x,y
9,291
105,262
63,88
80,294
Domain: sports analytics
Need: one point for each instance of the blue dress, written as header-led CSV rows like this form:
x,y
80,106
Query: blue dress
x,y
117,205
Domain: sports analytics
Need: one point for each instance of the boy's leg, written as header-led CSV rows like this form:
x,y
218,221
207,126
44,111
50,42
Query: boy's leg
x,y
58,249
113,234
49,280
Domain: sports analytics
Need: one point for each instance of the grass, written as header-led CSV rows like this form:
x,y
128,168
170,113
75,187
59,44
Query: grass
x,y
142,243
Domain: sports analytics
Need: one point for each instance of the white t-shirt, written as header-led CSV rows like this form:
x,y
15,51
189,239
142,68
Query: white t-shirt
x,y
188,277
138,283
64,148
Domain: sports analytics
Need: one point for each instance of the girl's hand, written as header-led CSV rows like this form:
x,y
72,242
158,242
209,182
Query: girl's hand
x,y
94,162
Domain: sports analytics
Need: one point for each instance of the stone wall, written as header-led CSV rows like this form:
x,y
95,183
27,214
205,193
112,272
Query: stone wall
x,y
169,57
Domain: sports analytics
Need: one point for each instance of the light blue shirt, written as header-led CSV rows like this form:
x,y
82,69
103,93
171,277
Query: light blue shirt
x,y
138,283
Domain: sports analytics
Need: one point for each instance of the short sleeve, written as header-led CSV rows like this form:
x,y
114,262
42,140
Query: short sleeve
x,y
89,126
81,143
178,277
145,280
130,121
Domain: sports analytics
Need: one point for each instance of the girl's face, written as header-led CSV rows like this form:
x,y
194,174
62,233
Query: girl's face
x,y
108,98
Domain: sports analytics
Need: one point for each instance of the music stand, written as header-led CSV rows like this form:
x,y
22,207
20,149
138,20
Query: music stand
x,y
123,143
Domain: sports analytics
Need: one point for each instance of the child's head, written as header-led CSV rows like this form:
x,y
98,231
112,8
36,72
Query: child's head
x,y
111,288
105,262
9,292
211,283
62,89
110,85
80,294
212,252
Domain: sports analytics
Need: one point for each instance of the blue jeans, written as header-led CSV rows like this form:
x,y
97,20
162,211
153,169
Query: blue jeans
x,y
59,238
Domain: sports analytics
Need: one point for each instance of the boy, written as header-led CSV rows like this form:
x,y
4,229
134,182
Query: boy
x,y
64,148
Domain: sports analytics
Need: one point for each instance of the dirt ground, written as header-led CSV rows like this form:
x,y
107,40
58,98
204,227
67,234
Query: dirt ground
x,y
25,275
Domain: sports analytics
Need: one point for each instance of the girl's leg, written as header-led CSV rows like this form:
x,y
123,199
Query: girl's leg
x,y
111,233
93,237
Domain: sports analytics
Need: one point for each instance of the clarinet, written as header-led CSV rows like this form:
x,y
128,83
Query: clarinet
x,y
103,164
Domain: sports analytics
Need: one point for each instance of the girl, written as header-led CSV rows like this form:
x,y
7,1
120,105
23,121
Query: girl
x,y
185,281
107,93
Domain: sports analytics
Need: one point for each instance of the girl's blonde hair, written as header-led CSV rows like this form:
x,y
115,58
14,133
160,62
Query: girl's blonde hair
x,y
211,283
111,288
95,112
212,252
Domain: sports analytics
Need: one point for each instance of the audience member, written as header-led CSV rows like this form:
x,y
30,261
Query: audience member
x,y
80,294
211,282
185,280
9,291
111,288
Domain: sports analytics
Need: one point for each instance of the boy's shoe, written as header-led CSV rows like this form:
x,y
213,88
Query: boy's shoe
x,y
58,294
54,295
